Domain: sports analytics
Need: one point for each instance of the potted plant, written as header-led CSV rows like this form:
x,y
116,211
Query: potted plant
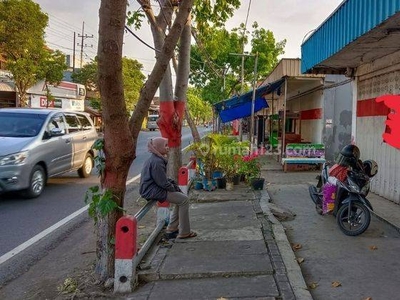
x,y
206,161
228,164
252,169
228,154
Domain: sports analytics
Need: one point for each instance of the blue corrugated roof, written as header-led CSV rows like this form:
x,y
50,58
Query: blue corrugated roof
x,y
349,21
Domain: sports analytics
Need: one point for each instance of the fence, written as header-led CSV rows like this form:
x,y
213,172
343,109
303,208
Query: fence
x,y
127,258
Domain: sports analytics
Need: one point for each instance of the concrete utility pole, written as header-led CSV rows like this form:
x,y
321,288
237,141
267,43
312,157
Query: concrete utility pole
x,y
73,54
84,36
241,93
253,99
243,55
241,88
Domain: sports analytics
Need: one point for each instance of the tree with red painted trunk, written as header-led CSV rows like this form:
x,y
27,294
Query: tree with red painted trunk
x,y
120,134
172,103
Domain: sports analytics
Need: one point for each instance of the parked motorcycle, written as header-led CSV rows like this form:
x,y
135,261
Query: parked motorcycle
x,y
351,207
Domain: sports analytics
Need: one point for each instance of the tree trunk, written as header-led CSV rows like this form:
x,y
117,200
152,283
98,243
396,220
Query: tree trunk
x,y
120,136
170,120
22,97
192,126
165,122
118,143
181,86
164,56
182,77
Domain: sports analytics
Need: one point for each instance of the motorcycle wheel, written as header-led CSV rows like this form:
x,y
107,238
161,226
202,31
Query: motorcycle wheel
x,y
359,219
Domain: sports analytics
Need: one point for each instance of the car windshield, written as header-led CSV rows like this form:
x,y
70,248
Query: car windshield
x,y
20,125
153,119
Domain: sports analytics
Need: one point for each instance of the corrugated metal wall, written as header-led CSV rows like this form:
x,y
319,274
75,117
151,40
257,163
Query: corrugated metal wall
x,y
349,21
369,136
287,67
337,116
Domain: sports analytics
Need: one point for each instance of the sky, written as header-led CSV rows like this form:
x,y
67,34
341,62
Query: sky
x,y
292,20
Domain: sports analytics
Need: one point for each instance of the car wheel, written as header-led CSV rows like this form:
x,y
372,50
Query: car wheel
x,y
87,166
36,183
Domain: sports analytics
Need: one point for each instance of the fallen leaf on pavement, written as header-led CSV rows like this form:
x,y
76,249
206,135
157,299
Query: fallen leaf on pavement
x,y
300,260
373,248
141,226
313,285
369,298
296,247
222,298
336,284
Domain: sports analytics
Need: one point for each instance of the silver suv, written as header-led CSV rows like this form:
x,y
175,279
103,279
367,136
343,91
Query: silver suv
x,y
36,144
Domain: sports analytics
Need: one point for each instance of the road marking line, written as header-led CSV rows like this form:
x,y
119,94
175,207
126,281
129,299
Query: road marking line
x,y
133,179
41,235
49,230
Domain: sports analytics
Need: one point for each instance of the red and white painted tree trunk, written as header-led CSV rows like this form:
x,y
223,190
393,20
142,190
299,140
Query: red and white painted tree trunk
x,y
120,135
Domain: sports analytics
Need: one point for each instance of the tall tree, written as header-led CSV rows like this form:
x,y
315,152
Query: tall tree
x,y
120,137
172,104
87,75
119,143
200,110
22,28
132,77
133,81
218,72
51,70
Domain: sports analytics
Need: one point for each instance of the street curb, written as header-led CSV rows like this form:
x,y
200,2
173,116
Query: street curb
x,y
391,224
293,269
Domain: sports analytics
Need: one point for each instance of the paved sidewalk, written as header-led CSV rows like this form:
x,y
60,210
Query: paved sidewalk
x,y
241,251
384,209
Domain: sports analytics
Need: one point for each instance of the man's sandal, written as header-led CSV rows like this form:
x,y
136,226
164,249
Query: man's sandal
x,y
192,234
172,234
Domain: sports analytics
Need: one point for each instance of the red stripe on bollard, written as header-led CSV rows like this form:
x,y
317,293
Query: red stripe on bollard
x,y
193,158
126,237
162,204
183,176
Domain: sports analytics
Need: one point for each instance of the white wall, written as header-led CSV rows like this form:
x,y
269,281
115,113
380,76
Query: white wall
x,y
376,79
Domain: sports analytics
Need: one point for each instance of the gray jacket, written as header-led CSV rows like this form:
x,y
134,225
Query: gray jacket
x,y
154,183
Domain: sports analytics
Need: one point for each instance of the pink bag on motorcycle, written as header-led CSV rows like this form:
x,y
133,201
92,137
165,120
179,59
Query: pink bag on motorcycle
x,y
328,199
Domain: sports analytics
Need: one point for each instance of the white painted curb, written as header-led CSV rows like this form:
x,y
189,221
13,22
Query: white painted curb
x,y
293,269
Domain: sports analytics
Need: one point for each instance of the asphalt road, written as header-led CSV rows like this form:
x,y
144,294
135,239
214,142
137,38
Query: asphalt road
x,y
21,219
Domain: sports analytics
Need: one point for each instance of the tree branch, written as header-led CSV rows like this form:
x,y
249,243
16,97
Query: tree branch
x,y
153,82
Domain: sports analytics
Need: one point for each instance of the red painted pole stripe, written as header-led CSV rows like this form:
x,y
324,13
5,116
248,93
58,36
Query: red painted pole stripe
x,y
163,204
193,159
126,237
183,176
371,108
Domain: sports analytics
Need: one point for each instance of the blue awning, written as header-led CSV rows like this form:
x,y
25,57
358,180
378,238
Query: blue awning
x,y
240,106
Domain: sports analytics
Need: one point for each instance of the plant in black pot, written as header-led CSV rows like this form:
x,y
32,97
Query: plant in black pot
x,y
252,169
206,161
227,164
